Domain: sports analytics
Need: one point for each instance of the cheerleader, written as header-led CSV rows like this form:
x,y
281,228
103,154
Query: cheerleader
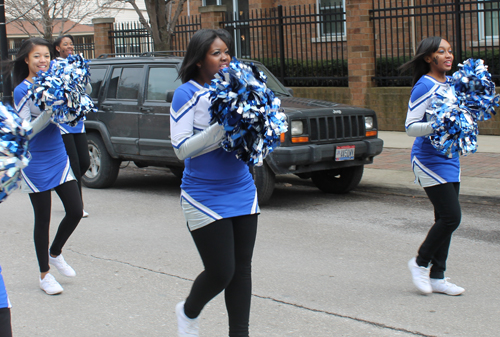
x,y
74,137
436,173
218,195
48,169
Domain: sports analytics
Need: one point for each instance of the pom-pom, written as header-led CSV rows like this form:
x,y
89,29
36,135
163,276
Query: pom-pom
x,y
248,111
63,87
13,149
455,112
475,89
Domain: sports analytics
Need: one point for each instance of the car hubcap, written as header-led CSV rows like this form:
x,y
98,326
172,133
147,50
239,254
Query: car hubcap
x,y
95,162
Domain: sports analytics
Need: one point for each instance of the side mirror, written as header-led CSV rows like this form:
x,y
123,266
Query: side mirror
x,y
170,96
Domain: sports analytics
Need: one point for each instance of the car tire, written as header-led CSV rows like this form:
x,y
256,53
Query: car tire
x,y
264,179
338,181
103,169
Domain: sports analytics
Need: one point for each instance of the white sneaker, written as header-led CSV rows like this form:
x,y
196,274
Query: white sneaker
x,y
50,285
61,265
444,287
186,326
420,276
85,214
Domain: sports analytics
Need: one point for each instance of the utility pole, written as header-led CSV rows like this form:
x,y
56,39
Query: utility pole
x,y
6,82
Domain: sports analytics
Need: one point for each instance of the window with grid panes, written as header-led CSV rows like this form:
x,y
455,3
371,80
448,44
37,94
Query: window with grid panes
x,y
331,17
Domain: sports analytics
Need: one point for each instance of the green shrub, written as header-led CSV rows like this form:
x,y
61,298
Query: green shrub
x,y
295,71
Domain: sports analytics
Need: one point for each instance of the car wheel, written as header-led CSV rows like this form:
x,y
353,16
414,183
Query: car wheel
x,y
103,169
264,179
338,180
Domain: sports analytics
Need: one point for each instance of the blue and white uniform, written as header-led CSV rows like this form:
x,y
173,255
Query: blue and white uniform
x,y
4,299
430,167
215,184
66,129
49,166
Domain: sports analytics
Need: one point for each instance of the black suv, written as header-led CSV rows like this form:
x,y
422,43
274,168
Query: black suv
x,y
326,142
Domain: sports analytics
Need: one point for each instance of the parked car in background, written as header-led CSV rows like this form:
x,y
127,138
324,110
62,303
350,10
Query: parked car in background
x,y
327,142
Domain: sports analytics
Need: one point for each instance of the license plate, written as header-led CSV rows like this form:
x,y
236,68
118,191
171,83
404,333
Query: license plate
x,y
345,152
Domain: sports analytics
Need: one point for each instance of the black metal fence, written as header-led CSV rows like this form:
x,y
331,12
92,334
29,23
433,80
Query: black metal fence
x,y
87,49
471,27
131,38
301,45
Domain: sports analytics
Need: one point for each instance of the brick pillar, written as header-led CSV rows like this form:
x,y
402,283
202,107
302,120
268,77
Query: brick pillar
x,y
262,4
211,16
360,50
102,43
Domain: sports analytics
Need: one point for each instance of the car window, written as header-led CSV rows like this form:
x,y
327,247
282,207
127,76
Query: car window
x,y
125,83
272,82
96,78
160,80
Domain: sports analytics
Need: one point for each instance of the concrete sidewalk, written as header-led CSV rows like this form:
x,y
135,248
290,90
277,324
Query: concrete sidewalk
x,y
391,171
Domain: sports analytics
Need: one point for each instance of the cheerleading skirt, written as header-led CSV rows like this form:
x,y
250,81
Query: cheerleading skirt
x,y
46,170
205,201
432,168
4,299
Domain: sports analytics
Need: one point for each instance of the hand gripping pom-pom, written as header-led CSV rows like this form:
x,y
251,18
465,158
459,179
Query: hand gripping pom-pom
x,y
13,150
248,111
455,112
63,87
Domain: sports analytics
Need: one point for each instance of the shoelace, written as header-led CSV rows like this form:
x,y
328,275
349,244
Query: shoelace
x,y
192,326
60,260
448,284
51,281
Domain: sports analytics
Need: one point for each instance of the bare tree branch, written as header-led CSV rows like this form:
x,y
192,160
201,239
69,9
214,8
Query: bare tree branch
x,y
178,11
161,24
142,20
42,15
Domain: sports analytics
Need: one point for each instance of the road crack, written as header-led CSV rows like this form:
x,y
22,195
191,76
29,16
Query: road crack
x,y
356,319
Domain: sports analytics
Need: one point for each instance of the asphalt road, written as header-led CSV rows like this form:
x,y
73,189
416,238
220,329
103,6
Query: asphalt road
x,y
324,265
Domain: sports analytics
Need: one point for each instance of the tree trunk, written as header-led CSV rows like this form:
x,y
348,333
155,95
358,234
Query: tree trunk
x,y
47,21
161,23
165,42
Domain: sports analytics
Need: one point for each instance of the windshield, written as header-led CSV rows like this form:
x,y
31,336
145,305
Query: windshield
x,y
272,82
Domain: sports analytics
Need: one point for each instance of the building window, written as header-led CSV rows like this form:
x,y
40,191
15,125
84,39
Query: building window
x,y
332,17
490,19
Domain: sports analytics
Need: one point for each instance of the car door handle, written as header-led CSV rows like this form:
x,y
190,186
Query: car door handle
x,y
106,107
144,109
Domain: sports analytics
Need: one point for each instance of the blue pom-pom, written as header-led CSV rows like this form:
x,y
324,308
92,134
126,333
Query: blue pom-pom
x,y
455,112
63,87
13,149
475,89
248,111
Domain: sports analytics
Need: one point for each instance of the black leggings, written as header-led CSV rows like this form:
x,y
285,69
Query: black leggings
x,y
226,248
42,204
448,215
78,153
5,324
